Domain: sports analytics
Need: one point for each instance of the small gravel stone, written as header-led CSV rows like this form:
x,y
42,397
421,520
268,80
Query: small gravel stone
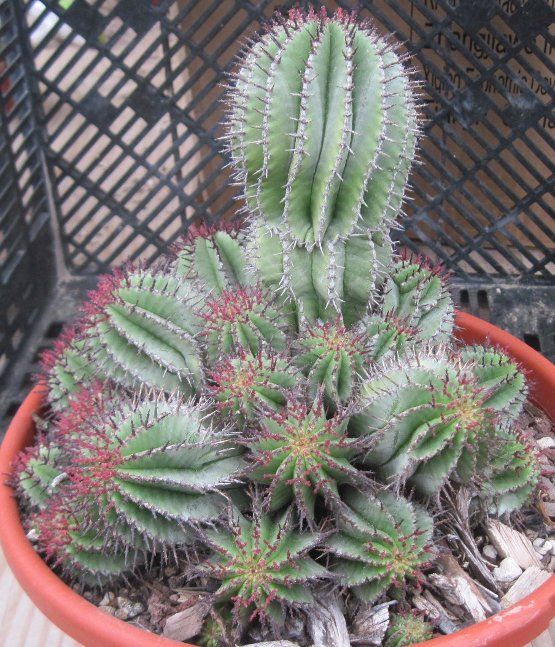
x,y
127,608
546,548
32,535
489,552
108,599
547,442
538,542
507,571
108,609
551,566
121,614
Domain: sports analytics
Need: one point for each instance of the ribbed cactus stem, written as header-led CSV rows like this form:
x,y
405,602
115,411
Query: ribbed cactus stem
x,y
510,472
382,540
82,552
430,418
301,454
332,356
157,464
322,132
213,257
65,368
36,473
262,565
505,380
388,335
417,291
141,328
241,318
244,385
407,629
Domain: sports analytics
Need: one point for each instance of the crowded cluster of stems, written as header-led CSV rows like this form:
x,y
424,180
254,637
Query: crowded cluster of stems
x,y
276,405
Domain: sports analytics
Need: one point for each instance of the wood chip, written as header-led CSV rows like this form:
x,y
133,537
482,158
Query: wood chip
x,y
436,612
512,543
187,623
326,624
459,589
526,584
370,624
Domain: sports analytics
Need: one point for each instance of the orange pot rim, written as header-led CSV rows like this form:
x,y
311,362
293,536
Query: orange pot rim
x,y
86,623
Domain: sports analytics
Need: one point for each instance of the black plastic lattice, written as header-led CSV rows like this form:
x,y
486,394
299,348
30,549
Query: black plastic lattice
x,y
129,91
26,267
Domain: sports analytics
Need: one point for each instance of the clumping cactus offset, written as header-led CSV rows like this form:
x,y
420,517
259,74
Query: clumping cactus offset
x,y
213,256
36,474
277,407
241,318
157,464
417,292
77,548
332,356
141,328
65,367
512,472
381,541
300,453
262,565
244,384
434,415
407,629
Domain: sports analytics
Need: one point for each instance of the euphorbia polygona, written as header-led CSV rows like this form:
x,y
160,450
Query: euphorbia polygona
x,y
300,356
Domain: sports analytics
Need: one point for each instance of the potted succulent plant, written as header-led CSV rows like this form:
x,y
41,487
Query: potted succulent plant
x,y
275,409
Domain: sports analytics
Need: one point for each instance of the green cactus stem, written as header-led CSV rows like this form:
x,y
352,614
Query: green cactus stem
x,y
322,133
241,318
503,378
406,629
381,541
333,357
262,565
37,473
429,419
213,256
417,292
511,474
216,630
81,554
141,328
243,383
65,368
388,335
158,464
300,453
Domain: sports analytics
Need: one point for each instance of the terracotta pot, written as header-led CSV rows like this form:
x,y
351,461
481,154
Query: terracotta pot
x,y
514,627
